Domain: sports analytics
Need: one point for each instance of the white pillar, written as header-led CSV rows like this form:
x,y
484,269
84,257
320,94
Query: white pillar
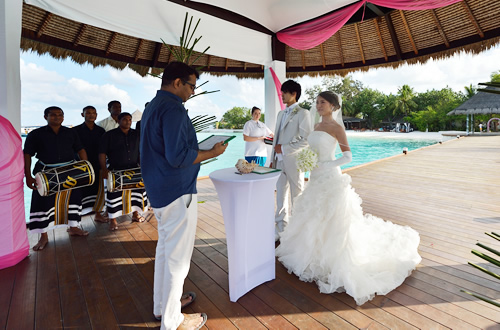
x,y
10,77
272,102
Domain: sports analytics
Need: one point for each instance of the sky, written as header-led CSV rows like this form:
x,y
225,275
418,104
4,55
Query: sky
x,y
46,81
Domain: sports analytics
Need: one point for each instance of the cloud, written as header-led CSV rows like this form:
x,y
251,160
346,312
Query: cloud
x,y
73,89
203,105
233,92
41,88
458,71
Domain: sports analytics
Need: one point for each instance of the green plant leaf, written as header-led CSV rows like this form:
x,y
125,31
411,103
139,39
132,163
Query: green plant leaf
x,y
481,297
488,248
490,235
486,257
484,270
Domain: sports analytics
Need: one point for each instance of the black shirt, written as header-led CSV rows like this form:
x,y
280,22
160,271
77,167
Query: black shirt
x,y
91,140
138,128
52,148
122,149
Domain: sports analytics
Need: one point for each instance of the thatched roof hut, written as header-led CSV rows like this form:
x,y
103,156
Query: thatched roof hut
x,y
483,103
480,104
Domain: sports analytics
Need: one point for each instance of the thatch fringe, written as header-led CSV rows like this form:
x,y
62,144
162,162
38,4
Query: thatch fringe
x,y
474,49
59,53
140,69
156,71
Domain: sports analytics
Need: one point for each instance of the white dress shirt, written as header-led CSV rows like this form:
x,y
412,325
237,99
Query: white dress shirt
x,y
108,124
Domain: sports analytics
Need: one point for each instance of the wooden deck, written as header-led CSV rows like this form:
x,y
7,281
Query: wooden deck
x,y
449,193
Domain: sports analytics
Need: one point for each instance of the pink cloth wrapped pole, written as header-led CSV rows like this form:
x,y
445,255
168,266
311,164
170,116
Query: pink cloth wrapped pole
x,y
14,245
277,84
313,33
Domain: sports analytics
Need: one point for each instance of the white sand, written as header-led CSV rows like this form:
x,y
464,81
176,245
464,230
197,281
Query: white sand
x,y
417,135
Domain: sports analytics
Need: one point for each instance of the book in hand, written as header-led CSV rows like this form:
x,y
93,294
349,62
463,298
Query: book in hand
x,y
264,170
268,140
210,141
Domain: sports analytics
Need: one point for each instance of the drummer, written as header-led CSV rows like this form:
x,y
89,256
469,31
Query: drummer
x,y
54,145
90,134
121,147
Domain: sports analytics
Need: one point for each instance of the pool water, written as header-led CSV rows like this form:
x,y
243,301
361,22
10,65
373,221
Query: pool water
x,y
364,150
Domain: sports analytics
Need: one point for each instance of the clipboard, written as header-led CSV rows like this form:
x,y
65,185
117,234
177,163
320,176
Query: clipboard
x,y
210,141
264,170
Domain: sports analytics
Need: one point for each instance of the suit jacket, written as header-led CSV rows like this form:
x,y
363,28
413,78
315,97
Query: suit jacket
x,y
293,135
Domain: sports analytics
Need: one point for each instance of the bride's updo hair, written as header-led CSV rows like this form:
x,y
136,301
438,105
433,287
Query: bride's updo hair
x,y
332,98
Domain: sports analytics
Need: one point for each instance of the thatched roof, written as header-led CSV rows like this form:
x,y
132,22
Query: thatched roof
x,y
384,38
480,104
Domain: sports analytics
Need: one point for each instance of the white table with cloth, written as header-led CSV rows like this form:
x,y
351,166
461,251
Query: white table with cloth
x,y
247,202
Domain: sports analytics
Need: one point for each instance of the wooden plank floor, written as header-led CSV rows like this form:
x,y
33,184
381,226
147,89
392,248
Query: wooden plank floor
x,y
449,193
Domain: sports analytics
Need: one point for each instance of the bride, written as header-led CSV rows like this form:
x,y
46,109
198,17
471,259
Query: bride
x,y
328,239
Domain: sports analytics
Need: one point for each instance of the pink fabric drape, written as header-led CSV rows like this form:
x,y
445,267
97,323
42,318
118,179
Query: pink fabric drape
x,y
14,244
277,84
311,34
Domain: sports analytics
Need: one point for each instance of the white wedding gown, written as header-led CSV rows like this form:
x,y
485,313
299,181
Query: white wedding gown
x,y
330,241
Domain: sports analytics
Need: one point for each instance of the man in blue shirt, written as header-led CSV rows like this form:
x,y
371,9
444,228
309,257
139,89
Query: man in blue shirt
x,y
170,163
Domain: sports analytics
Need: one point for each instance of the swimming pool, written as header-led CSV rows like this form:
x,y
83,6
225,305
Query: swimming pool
x,y
364,149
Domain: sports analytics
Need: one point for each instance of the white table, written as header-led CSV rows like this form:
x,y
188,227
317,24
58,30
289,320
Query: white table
x,y
247,203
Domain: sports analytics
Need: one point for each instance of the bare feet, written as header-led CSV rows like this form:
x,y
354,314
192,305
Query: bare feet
x,y
136,217
99,218
113,224
75,231
193,321
44,239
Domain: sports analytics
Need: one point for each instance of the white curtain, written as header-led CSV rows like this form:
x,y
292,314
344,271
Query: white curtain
x,y
10,79
155,19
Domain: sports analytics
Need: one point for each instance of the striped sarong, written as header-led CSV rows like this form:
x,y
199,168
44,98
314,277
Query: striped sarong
x,y
125,202
61,209
93,196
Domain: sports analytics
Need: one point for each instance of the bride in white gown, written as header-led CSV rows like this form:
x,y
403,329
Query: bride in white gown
x,y
329,240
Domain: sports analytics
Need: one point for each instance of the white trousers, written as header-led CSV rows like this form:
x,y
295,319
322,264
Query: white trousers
x,y
176,235
290,180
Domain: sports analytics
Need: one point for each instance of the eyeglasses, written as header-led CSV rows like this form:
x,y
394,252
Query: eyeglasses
x,y
193,86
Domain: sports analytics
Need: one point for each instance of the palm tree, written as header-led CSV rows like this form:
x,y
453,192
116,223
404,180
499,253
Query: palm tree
x,y
495,76
470,91
404,100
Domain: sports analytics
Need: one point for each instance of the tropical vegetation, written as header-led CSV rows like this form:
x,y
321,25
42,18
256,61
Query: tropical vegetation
x,y
425,111
236,118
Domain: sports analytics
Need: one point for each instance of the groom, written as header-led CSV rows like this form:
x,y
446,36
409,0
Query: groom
x,y
293,125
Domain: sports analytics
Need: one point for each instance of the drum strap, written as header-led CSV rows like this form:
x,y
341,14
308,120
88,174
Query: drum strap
x,y
55,165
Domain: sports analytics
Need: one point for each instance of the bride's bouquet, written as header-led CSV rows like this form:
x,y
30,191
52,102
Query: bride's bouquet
x,y
307,159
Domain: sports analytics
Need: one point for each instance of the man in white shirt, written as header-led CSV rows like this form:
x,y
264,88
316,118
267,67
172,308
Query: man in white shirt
x,y
293,125
111,122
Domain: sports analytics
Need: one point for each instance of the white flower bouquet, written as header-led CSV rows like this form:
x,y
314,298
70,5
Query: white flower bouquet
x,y
307,159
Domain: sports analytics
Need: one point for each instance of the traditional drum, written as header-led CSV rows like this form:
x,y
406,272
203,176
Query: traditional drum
x,y
128,179
75,175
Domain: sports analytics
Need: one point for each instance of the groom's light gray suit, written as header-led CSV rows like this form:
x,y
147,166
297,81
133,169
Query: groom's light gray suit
x,y
292,135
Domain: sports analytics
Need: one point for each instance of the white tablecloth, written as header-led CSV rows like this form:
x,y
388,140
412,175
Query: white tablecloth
x,y
247,203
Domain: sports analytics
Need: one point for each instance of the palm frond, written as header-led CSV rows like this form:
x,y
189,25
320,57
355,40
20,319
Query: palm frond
x,y
202,122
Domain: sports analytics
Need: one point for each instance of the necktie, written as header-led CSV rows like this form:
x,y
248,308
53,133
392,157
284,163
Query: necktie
x,y
285,116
